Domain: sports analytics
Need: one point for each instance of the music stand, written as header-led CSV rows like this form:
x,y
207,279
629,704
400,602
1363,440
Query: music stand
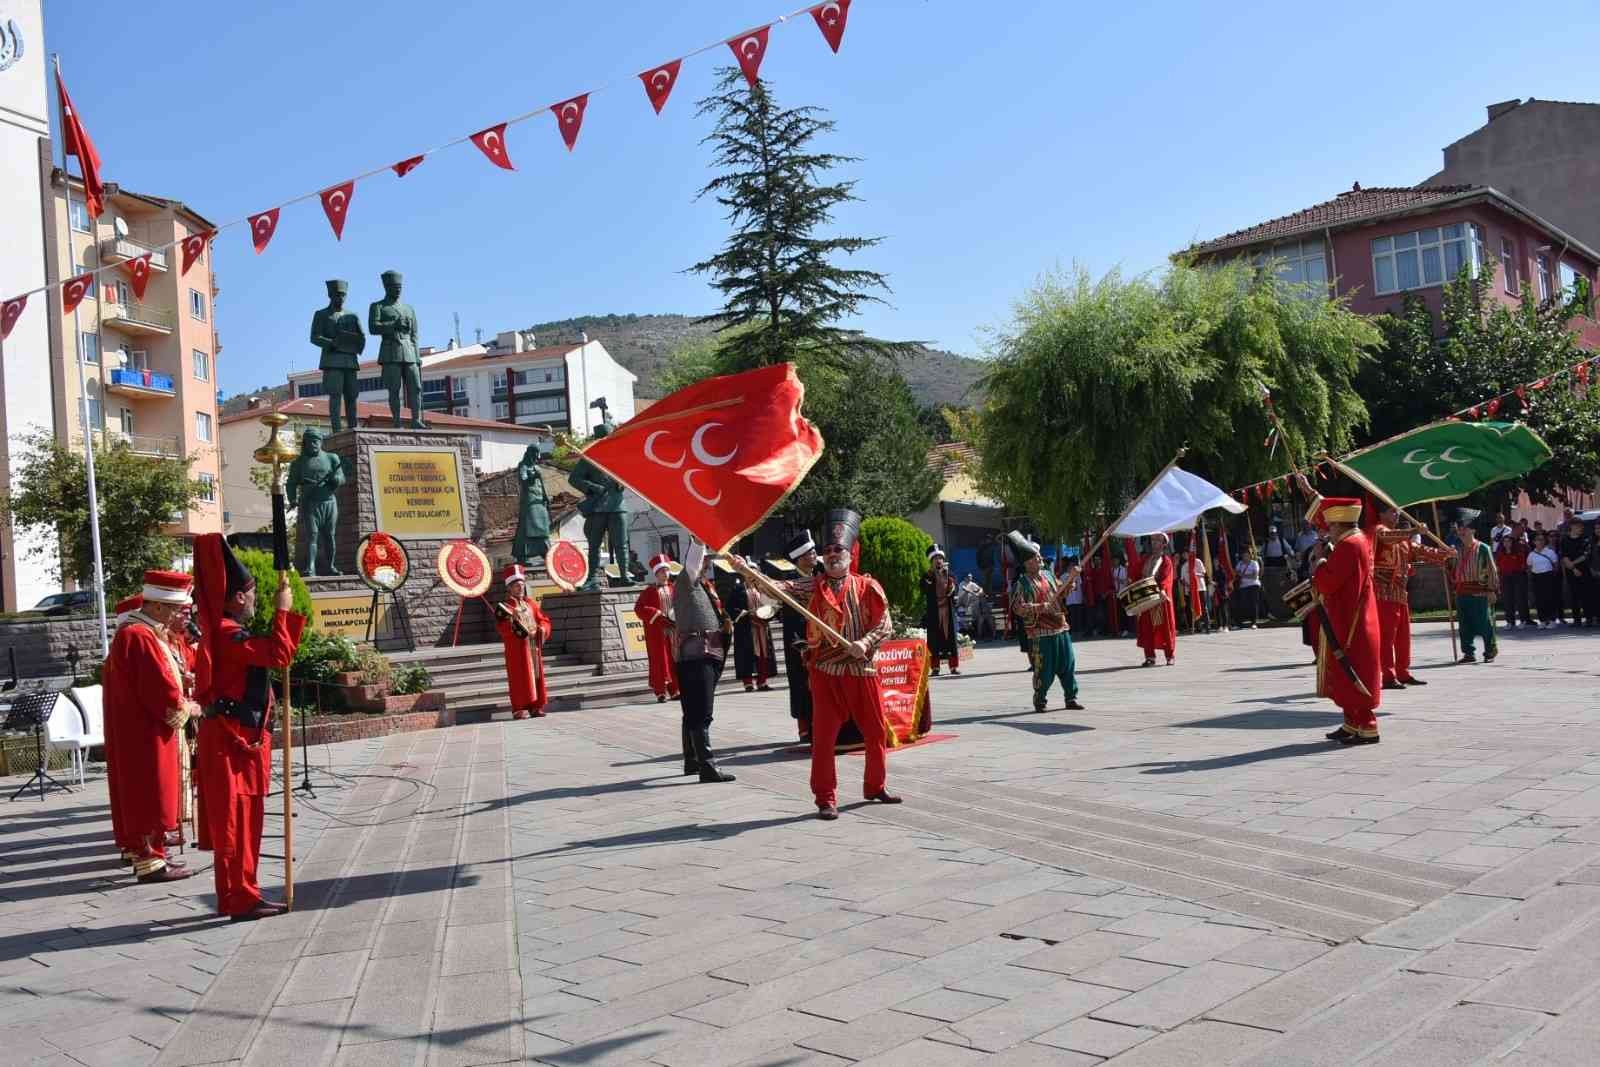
x,y
33,709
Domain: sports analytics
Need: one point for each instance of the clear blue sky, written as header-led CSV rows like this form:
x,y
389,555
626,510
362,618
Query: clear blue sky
x,y
997,140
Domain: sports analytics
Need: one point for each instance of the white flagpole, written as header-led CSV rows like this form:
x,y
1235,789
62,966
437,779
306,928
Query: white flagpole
x,y
83,388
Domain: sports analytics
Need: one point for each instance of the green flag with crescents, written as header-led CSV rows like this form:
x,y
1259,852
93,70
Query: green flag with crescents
x,y
1446,460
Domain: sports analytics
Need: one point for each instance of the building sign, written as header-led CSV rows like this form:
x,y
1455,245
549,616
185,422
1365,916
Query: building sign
x,y
633,645
346,615
417,491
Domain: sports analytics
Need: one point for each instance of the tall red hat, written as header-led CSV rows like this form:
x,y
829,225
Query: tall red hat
x,y
514,573
128,604
218,574
167,587
660,562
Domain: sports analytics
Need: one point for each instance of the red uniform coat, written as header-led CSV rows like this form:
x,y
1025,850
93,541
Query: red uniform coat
x,y
524,663
1344,582
659,640
142,689
1158,627
843,688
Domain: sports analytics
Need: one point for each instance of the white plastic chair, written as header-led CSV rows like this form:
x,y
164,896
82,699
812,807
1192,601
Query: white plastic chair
x,y
77,724
94,714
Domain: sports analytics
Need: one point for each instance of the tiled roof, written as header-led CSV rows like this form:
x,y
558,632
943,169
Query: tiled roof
x,y
1356,205
370,414
501,358
952,459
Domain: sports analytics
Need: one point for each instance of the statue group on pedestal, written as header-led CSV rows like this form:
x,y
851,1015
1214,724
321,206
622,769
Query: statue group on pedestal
x,y
604,514
336,331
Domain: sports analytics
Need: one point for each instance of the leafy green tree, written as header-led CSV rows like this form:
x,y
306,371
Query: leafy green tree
x,y
139,495
780,284
1478,347
259,564
1096,384
896,553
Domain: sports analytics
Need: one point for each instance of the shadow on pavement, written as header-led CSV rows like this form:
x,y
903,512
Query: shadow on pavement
x,y
1268,719
1238,759
1265,667
669,835
1047,729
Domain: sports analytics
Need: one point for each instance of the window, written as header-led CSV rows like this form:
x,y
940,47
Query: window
x,y
124,294
477,446
433,387
502,410
1427,257
139,359
208,487
202,365
1508,265
126,419
202,425
78,215
308,389
89,347
197,305
97,416
541,405
1574,283
1299,263
1546,282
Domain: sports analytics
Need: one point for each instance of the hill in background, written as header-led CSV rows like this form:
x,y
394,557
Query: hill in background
x,y
644,343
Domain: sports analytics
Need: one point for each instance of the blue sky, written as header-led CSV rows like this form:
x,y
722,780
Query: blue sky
x,y
997,140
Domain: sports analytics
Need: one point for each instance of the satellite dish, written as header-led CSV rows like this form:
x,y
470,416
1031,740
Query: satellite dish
x,y
121,226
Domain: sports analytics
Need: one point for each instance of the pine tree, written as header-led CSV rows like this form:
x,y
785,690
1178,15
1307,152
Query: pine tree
x,y
781,290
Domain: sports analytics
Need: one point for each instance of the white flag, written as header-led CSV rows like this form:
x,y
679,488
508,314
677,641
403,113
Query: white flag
x,y
1174,502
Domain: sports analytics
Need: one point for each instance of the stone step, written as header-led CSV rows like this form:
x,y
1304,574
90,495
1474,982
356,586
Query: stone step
x,y
482,703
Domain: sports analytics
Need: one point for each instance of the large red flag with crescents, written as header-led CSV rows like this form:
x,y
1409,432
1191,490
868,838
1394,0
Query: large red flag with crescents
x,y
76,142
138,270
749,49
658,83
831,19
719,456
10,312
492,143
569,117
262,227
336,205
193,245
74,290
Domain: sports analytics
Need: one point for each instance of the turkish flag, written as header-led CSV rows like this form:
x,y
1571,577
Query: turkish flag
x,y
193,246
406,166
77,143
335,204
1583,373
831,19
10,312
658,83
73,292
1494,407
719,456
492,143
139,273
749,49
262,227
569,117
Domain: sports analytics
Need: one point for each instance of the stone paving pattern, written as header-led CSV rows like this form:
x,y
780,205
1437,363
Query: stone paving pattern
x,y
1182,874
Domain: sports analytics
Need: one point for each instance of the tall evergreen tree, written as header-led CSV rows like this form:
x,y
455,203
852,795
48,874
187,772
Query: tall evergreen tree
x,y
781,289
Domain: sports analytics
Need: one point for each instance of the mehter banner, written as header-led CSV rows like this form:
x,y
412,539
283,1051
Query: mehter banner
x,y
903,681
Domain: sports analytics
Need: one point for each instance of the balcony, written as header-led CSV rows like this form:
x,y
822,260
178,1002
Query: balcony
x,y
122,249
166,446
140,383
146,319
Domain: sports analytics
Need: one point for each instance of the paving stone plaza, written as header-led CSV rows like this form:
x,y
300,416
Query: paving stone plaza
x,y
1184,873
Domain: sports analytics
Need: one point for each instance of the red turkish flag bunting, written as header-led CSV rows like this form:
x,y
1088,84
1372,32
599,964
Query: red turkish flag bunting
x,y
1541,383
658,83
336,204
193,245
262,227
749,49
139,273
406,166
569,117
1522,392
1493,407
73,292
76,142
1583,373
10,312
831,19
492,143
719,456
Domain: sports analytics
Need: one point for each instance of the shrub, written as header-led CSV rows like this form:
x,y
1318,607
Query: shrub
x,y
259,564
321,656
412,678
895,553
376,670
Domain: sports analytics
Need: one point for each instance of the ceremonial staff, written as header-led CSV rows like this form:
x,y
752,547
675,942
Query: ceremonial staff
x,y
278,452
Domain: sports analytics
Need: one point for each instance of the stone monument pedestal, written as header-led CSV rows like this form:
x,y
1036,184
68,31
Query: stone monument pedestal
x,y
599,628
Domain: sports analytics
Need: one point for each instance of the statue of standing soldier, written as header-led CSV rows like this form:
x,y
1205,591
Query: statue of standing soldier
x,y
603,515
337,332
314,478
396,323
533,511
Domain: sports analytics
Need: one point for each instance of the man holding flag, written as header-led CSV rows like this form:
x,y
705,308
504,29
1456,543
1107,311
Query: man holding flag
x,y
1348,643
1394,554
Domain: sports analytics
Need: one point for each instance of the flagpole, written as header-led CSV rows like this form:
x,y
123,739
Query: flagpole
x,y
1106,536
83,387
1449,600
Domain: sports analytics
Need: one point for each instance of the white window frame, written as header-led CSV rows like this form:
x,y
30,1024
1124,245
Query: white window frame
x,y
197,305
127,422
1508,265
209,482
200,362
138,359
202,426
88,339
1392,247
1292,258
78,216
1547,278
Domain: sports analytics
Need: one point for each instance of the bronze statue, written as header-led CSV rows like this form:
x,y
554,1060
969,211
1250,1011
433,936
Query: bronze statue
x,y
396,323
337,332
314,478
603,515
533,511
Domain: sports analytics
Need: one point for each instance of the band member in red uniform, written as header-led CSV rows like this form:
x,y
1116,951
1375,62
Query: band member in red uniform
x,y
844,682
233,686
523,631
1342,577
146,708
1394,555
1158,627
654,609
124,611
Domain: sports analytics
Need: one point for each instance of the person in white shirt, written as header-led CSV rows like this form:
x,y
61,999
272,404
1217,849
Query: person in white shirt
x,y
1543,563
1249,571
1074,601
1498,531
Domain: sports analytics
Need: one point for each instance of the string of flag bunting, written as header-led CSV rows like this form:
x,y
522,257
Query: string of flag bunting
x,y
749,49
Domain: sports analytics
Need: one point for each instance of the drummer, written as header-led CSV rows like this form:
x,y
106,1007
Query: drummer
x,y
755,660
1158,627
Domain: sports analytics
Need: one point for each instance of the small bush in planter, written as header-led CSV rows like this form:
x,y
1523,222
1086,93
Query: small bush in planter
x,y
376,670
321,656
413,678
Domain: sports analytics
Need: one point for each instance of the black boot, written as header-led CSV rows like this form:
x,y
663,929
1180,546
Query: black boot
x,y
708,763
691,765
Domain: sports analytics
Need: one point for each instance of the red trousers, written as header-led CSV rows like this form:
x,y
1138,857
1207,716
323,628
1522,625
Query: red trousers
x,y
1394,635
835,700
233,782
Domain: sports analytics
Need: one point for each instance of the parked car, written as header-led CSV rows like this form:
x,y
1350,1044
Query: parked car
x,y
63,603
